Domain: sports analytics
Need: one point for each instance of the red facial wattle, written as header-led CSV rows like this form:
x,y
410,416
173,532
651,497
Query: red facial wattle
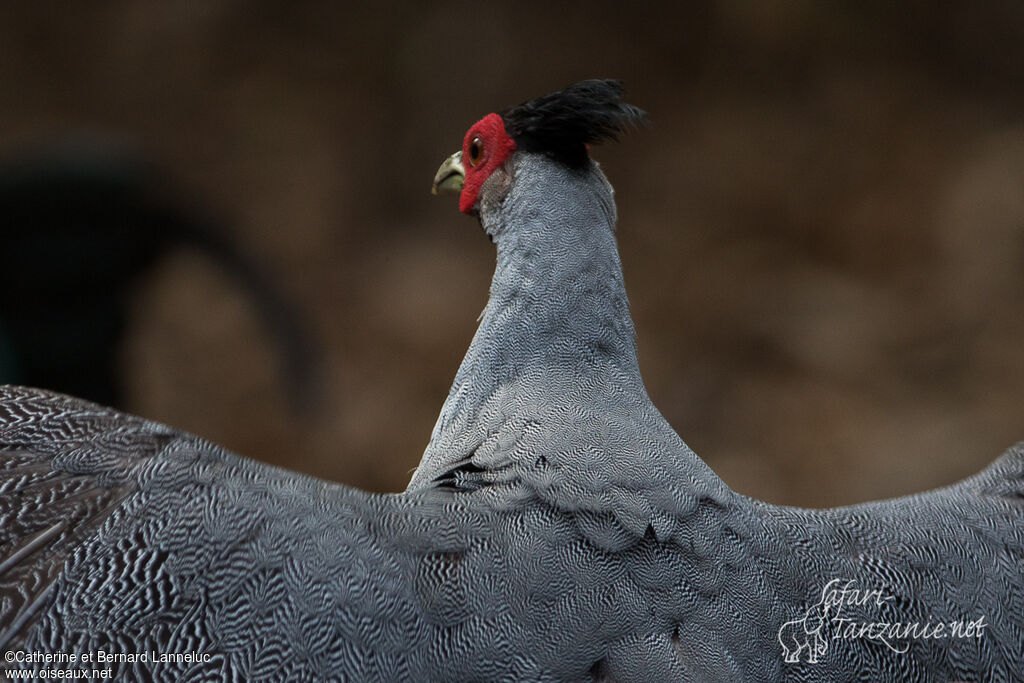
x,y
495,146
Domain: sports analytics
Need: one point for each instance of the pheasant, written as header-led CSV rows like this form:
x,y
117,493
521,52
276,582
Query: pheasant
x,y
556,529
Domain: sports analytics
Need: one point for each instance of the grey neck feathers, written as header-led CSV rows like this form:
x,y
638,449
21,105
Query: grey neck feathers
x,y
557,296
558,316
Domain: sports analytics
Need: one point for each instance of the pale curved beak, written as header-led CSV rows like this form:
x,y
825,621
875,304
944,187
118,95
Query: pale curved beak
x,y
450,176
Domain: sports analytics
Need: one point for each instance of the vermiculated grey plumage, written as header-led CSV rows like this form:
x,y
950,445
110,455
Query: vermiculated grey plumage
x,y
556,529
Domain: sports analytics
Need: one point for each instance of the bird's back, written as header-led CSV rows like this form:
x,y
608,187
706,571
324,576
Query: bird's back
x,y
123,536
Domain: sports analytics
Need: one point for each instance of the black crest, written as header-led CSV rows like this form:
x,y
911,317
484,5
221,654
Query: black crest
x,y
563,123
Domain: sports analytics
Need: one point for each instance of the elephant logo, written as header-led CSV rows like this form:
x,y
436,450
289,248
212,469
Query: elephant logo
x,y
807,634
804,635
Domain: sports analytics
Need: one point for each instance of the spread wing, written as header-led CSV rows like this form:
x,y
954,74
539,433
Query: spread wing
x,y
122,535
875,580
65,468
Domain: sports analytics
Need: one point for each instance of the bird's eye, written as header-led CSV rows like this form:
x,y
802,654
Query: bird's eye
x,y
476,151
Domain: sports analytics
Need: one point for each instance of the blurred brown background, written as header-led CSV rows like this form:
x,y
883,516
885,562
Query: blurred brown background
x,y
822,232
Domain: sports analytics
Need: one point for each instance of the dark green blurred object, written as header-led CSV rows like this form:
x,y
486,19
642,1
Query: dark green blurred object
x,y
82,222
